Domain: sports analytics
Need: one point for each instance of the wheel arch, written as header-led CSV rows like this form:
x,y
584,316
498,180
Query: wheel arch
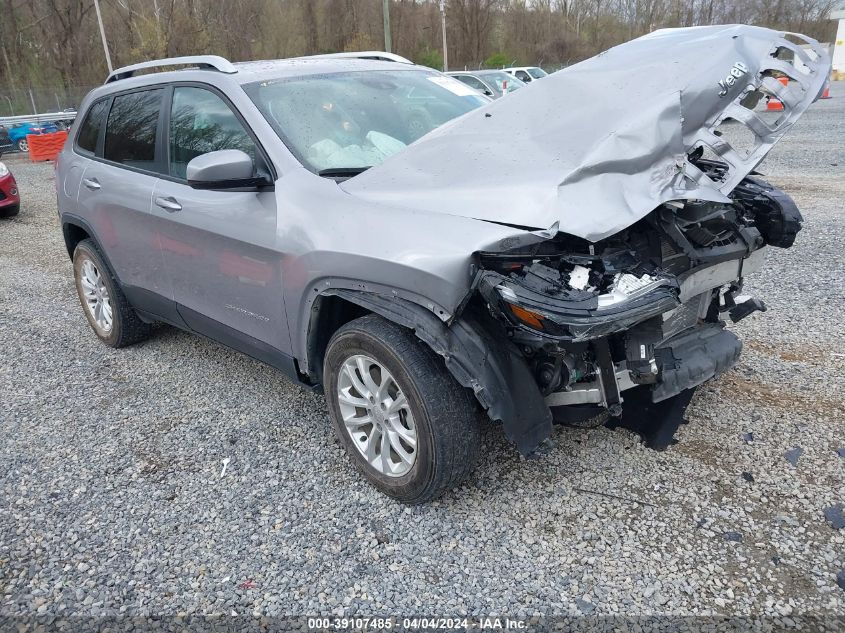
x,y
74,230
324,308
74,233
329,312
476,353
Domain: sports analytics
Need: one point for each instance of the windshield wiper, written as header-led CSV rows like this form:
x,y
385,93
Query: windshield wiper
x,y
342,172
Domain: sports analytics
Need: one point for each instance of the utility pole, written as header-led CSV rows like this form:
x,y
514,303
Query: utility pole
x,y
103,35
443,34
388,43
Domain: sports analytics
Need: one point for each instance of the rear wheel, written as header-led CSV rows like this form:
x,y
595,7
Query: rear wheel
x,y
404,421
108,312
23,145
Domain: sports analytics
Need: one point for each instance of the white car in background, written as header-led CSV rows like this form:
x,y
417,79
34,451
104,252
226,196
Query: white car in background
x,y
491,83
526,74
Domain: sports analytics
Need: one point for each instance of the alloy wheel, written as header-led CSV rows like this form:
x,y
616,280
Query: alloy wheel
x,y
377,415
96,296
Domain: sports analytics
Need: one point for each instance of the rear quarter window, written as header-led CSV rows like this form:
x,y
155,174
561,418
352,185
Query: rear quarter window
x,y
89,132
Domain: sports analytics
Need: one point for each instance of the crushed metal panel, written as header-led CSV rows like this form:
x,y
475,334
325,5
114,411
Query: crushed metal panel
x,y
599,145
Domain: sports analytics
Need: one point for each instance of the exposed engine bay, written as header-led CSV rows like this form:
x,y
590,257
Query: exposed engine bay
x,y
644,307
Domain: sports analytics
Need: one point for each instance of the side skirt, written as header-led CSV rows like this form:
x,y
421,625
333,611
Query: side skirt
x,y
240,342
153,307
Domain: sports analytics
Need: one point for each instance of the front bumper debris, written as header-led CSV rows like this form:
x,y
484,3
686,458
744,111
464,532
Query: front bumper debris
x,y
604,325
693,357
684,362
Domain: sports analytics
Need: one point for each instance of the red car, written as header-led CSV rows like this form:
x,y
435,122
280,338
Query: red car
x,y
10,200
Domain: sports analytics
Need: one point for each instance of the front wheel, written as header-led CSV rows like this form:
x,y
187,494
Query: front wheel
x,y
408,427
23,145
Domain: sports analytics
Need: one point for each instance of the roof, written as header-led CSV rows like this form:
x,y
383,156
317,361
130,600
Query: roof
x,y
245,72
249,72
204,67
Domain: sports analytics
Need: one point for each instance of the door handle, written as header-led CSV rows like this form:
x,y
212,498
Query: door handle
x,y
169,204
91,183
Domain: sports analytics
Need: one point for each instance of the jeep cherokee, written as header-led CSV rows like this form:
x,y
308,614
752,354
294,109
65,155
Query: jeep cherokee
x,y
378,231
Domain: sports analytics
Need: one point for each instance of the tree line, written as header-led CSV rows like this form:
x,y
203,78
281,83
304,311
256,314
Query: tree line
x,y
55,44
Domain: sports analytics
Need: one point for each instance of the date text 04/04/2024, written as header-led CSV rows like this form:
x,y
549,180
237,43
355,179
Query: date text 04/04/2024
x,y
415,623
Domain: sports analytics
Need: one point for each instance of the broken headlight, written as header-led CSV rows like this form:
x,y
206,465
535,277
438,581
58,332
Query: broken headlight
x,y
576,302
626,287
532,319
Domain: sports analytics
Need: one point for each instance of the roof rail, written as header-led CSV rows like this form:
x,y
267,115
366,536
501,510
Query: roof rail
x,y
376,55
214,62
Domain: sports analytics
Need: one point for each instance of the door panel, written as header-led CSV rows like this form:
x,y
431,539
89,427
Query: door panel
x,y
218,250
218,246
114,196
117,205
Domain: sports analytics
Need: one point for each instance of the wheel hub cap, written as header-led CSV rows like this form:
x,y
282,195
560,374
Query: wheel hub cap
x,y
377,416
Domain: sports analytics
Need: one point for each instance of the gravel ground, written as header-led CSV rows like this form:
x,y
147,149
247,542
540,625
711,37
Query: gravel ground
x,y
112,500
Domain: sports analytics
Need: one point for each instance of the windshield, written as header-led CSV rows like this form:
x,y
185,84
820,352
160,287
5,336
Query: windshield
x,y
537,73
354,120
499,79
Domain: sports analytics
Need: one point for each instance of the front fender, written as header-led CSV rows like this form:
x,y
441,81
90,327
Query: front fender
x,y
479,356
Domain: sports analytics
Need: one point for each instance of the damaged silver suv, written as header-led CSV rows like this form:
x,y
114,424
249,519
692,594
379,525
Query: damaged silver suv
x,y
379,231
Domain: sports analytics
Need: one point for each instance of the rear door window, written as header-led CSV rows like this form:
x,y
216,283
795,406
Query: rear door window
x,y
523,76
201,122
89,133
132,128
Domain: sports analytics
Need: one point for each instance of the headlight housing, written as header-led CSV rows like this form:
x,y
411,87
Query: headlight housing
x,y
626,287
4,171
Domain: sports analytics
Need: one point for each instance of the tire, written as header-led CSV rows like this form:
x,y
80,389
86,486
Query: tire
x,y
440,411
125,327
23,145
8,212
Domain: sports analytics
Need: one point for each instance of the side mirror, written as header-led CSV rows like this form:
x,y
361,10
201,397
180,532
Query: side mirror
x,y
489,93
224,169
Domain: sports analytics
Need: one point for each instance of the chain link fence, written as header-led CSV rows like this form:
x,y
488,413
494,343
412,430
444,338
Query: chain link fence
x,y
24,100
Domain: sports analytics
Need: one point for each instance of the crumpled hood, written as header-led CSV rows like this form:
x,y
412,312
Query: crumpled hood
x,y
599,145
